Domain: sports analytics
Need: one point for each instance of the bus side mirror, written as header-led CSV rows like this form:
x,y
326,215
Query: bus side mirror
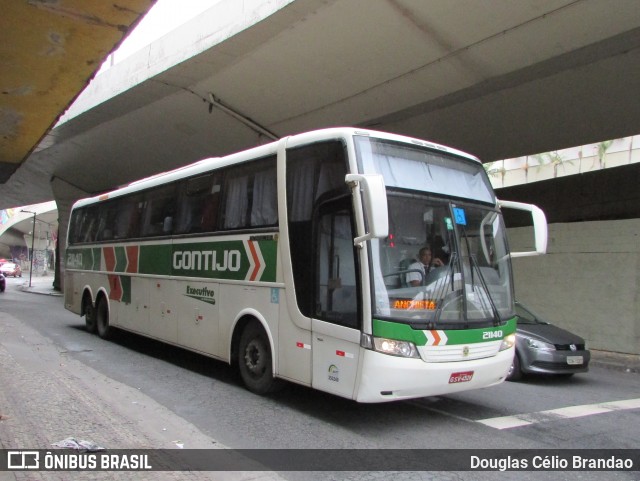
x,y
539,226
374,195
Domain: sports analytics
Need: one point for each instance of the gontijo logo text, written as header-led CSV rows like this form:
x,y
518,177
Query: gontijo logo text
x,y
207,260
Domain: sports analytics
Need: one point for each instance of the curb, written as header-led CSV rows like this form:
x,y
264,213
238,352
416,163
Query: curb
x,y
615,366
32,290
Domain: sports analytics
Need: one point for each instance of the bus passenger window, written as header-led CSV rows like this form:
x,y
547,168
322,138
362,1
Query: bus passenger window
x,y
160,205
209,217
194,200
264,205
236,193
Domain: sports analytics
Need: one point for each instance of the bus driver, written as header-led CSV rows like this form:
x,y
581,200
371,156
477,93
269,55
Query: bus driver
x,y
422,266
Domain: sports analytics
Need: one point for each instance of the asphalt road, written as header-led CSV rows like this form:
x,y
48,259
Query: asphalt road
x,y
530,414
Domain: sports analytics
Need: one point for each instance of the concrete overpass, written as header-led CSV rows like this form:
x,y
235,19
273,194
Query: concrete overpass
x,y
498,79
49,50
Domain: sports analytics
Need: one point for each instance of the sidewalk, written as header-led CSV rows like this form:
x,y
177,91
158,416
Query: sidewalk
x,y
39,285
605,359
46,397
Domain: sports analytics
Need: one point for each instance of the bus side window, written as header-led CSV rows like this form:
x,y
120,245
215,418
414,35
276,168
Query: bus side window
x,y
90,224
126,208
193,201
159,211
236,199
249,195
209,217
108,212
78,218
264,204
136,216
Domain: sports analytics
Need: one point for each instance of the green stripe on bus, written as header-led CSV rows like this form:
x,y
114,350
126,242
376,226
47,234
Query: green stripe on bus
x,y
233,260
125,281
398,331
269,250
155,259
88,259
121,259
96,259
404,332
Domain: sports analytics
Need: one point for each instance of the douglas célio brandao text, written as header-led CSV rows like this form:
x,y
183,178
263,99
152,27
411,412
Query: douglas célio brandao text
x,y
551,463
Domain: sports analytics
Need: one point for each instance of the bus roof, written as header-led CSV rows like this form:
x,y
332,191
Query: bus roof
x,y
207,164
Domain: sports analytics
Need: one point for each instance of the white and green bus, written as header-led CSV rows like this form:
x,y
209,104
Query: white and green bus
x,y
291,261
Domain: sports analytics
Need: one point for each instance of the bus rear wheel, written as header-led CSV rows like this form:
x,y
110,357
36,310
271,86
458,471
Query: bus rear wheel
x,y
90,317
254,360
102,319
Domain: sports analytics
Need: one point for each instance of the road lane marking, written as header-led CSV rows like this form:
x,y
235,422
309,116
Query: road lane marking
x,y
508,422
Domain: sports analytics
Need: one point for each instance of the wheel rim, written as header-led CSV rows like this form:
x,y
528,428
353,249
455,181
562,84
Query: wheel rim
x,y
255,359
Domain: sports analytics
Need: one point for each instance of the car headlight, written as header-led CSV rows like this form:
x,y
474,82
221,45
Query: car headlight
x,y
540,345
392,347
508,342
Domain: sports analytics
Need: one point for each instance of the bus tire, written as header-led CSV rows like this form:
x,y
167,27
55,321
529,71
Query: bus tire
x,y
254,359
90,316
105,331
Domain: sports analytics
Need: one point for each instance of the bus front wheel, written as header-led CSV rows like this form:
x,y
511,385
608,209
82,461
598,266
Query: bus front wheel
x,y
254,359
102,319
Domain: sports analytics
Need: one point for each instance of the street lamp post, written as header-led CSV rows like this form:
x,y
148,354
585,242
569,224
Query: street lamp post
x,y
33,238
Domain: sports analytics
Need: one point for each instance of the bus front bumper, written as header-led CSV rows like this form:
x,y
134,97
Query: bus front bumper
x,y
388,378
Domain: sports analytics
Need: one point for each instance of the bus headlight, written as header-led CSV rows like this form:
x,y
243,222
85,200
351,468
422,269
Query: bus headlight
x,y
394,347
508,341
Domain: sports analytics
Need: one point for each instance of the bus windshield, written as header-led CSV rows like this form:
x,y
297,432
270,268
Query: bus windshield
x,y
445,264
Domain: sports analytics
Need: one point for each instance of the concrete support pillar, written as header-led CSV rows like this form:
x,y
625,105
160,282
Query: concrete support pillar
x,y
65,195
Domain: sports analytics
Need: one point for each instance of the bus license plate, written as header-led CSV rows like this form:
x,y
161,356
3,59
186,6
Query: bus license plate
x,y
574,360
457,377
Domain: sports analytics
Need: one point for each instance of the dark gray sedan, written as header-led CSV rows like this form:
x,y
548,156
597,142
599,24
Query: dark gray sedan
x,y
542,348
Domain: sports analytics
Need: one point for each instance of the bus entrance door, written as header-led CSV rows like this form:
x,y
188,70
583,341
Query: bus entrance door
x,y
335,337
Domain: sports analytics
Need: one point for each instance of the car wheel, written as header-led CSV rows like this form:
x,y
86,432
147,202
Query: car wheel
x,y
515,372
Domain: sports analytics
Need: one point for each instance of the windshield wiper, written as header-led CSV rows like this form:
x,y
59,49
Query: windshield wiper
x,y
475,267
483,282
439,294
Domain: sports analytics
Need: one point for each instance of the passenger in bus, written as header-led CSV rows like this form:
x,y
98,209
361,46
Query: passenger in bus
x,y
419,269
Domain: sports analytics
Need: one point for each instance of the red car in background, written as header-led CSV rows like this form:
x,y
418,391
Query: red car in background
x,y
11,269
